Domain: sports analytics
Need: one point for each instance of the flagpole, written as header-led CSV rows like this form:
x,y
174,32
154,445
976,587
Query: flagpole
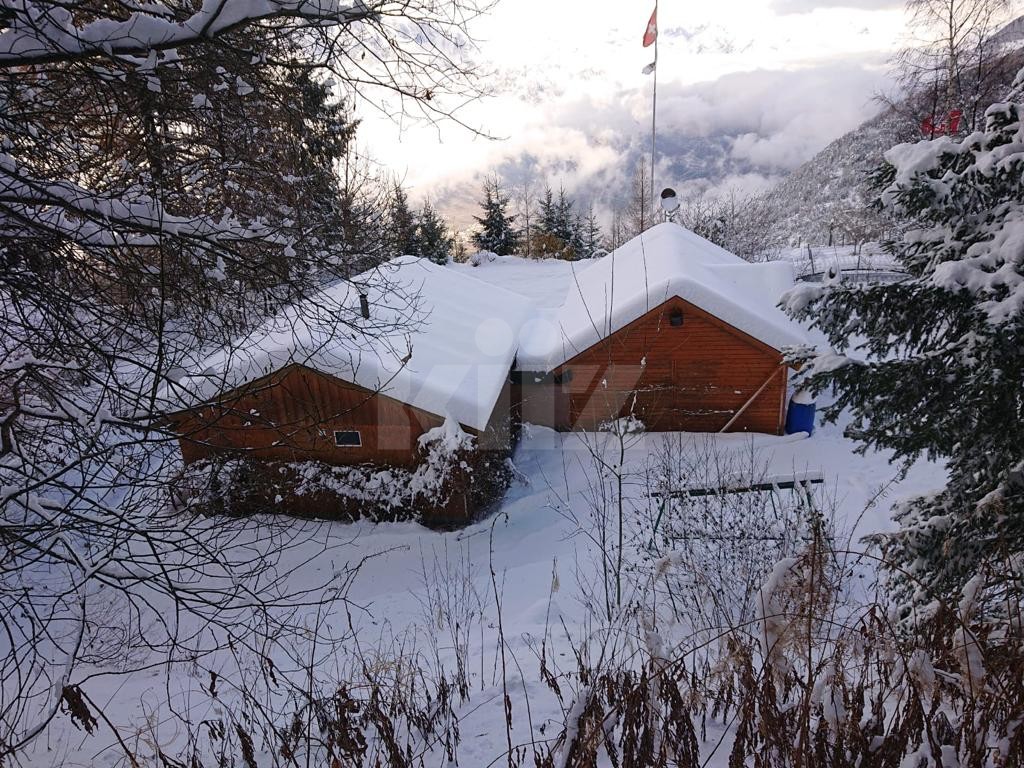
x,y
654,112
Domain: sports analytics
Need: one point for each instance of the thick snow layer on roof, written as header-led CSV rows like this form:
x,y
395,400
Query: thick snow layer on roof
x,y
436,339
545,282
663,262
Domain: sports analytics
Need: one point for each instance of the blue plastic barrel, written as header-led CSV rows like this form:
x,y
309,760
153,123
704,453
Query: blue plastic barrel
x,y
800,416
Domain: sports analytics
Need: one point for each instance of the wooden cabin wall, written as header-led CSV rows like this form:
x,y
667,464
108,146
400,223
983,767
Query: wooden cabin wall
x,y
292,415
538,400
502,431
690,378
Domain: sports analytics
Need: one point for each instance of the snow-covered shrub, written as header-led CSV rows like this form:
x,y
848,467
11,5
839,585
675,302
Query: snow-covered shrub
x,y
622,426
452,482
817,678
482,257
712,547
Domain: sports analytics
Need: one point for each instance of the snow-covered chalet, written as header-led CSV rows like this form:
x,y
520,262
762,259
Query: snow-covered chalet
x,y
669,329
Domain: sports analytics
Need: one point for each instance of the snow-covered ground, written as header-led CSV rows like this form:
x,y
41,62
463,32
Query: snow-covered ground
x,y
538,554
533,554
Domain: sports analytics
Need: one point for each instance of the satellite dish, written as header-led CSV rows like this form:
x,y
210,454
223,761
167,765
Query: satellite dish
x,y
669,201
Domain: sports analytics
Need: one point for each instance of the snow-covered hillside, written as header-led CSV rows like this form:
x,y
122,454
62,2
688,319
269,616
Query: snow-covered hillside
x,y
830,192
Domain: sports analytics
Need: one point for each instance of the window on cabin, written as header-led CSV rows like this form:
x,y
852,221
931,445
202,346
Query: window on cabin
x,y
675,318
347,438
564,377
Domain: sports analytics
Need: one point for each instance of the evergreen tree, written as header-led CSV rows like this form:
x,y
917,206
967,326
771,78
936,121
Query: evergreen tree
x,y
547,213
546,243
403,224
497,231
591,237
558,230
569,225
434,240
563,229
943,373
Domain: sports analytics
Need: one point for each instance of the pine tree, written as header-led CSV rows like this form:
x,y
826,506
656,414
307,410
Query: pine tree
x,y
547,213
546,243
497,231
943,370
435,242
403,224
569,228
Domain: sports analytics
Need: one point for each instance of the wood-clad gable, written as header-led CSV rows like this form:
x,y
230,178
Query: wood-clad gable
x,y
676,368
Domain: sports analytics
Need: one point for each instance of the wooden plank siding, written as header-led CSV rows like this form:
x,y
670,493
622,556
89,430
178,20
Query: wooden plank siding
x,y
691,378
291,415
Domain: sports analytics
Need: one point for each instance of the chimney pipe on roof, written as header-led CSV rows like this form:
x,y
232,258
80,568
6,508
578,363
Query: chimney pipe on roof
x,y
364,306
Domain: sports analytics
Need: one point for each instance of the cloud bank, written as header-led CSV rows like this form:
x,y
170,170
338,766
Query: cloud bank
x,y
744,130
808,6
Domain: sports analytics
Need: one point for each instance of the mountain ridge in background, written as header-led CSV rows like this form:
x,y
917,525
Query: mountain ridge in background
x,y
828,198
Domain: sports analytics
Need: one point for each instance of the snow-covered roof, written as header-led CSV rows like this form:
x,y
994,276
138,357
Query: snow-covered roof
x,y
442,340
665,261
436,339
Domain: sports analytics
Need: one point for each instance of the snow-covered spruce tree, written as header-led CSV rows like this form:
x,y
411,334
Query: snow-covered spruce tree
x,y
497,227
166,175
934,365
402,222
435,242
547,213
558,230
591,237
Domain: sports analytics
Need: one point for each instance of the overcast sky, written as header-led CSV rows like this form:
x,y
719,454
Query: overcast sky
x,y
767,82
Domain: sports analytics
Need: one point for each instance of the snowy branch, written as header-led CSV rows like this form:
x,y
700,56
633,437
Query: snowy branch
x,y
37,34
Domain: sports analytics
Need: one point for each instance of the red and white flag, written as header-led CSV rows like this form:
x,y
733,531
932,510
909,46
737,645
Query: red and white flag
x,y
652,29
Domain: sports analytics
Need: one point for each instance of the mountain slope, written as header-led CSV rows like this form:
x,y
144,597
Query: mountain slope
x,y
830,192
